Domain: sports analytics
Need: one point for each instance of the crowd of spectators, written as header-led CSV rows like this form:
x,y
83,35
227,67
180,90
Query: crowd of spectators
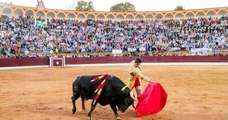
x,y
22,37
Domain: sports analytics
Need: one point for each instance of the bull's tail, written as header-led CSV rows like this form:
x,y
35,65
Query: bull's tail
x,y
76,93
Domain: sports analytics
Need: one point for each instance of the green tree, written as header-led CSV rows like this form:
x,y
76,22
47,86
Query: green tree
x,y
84,6
123,7
179,8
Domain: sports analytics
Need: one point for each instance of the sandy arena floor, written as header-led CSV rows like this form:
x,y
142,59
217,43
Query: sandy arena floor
x,y
195,93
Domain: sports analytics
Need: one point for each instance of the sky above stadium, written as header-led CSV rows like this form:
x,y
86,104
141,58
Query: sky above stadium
x,y
141,5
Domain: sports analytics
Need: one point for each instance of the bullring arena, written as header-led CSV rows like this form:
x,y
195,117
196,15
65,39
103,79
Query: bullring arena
x,y
31,88
195,91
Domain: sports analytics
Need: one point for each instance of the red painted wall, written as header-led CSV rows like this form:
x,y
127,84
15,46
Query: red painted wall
x,y
23,62
147,59
45,61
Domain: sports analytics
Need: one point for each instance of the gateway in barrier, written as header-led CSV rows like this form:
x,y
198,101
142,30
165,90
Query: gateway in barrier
x,y
53,61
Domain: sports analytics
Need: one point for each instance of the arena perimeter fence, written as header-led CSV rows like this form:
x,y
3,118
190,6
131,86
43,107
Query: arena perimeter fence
x,y
13,62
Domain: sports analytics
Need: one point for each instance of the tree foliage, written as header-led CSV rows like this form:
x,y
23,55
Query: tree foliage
x,y
123,7
179,8
84,6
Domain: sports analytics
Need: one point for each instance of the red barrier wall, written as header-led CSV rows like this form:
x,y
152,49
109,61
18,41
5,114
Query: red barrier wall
x,y
147,59
23,62
44,61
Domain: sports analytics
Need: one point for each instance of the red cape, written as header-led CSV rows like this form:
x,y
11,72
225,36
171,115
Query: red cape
x,y
152,100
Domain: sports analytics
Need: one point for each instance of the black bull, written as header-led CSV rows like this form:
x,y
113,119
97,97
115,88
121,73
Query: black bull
x,y
114,93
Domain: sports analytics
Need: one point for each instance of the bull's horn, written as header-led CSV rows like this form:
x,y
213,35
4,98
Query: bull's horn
x,y
133,106
133,96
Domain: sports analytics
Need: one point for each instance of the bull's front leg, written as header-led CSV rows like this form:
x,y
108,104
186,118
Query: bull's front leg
x,y
114,109
93,105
